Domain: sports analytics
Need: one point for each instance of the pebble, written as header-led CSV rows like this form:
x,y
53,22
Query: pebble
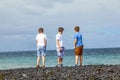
x,y
87,72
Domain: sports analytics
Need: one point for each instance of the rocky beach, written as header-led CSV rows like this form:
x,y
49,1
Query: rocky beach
x,y
87,72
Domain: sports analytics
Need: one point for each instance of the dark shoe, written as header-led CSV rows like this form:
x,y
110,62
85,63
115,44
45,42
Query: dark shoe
x,y
61,65
80,65
37,66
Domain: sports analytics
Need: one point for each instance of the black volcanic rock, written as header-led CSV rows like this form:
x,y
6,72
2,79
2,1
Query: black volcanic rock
x,y
87,72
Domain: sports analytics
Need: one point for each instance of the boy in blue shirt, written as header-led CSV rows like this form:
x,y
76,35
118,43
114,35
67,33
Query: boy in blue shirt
x,y
78,45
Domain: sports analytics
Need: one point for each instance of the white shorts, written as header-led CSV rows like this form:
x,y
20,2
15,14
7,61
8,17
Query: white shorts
x,y
60,54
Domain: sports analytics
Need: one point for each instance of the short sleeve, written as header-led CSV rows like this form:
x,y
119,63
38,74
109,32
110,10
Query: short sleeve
x,y
36,37
75,36
45,36
57,37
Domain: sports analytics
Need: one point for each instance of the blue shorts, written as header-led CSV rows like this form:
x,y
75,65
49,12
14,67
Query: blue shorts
x,y
41,51
60,54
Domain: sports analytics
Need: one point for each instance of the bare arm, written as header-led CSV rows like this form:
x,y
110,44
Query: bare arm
x,y
57,42
36,42
75,42
45,42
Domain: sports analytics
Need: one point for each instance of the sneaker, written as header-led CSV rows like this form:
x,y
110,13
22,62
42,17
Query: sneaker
x,y
75,65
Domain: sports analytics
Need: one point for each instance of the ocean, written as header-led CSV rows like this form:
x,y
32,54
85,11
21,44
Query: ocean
x,y
24,59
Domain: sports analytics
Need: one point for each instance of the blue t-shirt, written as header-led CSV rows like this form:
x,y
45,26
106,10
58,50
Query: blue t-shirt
x,y
78,37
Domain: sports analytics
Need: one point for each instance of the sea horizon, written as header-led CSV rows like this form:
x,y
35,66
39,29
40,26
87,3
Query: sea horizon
x,y
24,59
55,49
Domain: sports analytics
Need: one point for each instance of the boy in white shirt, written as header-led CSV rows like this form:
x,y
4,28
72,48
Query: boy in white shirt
x,y
59,46
41,42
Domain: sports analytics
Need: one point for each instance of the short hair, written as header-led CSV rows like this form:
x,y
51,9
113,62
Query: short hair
x,y
77,28
40,30
60,29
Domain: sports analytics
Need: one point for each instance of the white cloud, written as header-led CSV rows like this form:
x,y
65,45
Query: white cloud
x,y
23,17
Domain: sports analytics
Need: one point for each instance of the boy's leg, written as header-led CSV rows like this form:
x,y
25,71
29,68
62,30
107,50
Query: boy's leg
x,y
43,56
61,63
80,60
61,54
76,55
76,59
59,60
81,51
38,60
58,54
43,61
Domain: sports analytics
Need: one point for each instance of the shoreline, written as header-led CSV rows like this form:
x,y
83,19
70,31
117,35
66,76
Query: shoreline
x,y
86,72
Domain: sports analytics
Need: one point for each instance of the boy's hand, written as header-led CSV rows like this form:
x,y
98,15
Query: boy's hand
x,y
60,49
74,47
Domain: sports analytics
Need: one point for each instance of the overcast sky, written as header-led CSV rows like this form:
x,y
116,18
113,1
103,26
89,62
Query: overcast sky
x,y
99,21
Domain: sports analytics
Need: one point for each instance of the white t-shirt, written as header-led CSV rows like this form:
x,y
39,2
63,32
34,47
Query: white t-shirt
x,y
59,37
40,38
